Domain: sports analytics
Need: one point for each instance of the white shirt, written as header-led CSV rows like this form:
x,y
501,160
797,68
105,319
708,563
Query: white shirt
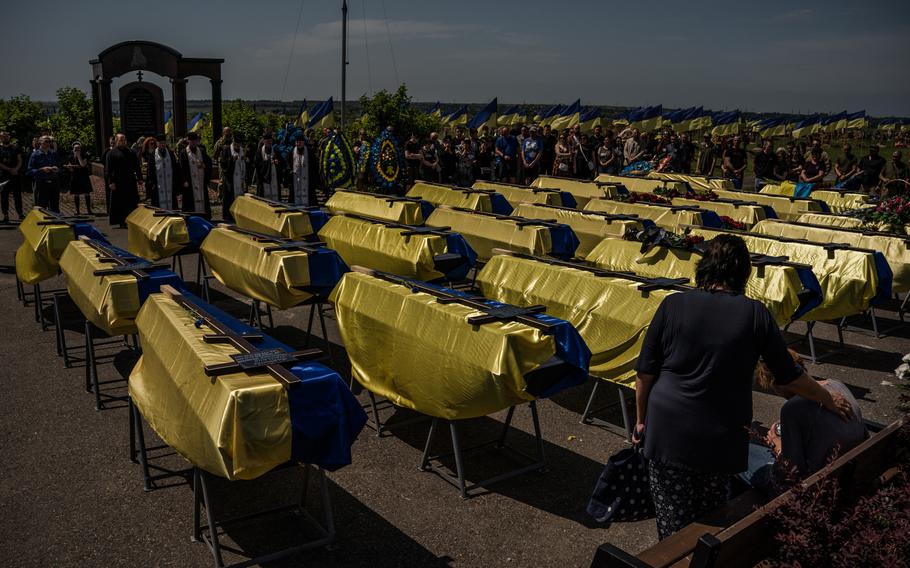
x,y
239,178
301,178
197,179
270,189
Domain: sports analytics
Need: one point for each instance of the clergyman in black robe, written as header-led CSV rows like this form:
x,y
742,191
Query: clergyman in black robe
x,y
122,172
163,177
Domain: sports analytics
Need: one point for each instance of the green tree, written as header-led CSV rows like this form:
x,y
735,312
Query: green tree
x,y
385,109
73,120
22,118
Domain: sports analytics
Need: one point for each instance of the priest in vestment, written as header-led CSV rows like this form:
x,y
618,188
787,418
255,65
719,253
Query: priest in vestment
x,y
233,174
122,171
196,172
267,165
302,164
162,178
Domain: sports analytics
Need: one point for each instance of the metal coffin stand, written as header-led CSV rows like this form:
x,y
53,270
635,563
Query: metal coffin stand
x,y
548,371
317,306
177,259
203,497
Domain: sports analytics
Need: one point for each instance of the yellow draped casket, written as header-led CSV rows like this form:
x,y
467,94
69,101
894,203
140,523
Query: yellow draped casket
x,y
453,196
612,314
748,213
271,217
397,249
837,201
642,185
280,278
378,206
582,191
425,355
896,249
516,194
154,233
700,184
109,301
237,425
848,277
844,221
789,208
779,286
590,227
45,239
485,231
666,216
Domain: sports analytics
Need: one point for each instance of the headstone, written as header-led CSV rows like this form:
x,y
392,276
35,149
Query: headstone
x,y
141,110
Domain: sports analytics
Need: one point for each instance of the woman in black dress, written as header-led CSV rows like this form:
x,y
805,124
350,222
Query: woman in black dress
x,y
694,385
80,178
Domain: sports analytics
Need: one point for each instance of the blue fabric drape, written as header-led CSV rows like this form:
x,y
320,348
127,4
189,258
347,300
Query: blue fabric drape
x,y
426,209
318,219
563,240
812,296
568,200
500,205
456,244
326,269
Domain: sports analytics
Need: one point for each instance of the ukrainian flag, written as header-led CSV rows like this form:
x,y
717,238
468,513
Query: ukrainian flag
x,y
512,117
486,117
323,115
807,127
688,120
546,114
303,116
569,116
888,124
857,120
551,115
704,120
726,123
437,110
169,124
457,118
589,119
774,127
834,122
195,124
646,119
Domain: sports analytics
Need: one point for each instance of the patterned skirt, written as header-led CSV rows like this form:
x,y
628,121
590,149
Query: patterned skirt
x,y
682,495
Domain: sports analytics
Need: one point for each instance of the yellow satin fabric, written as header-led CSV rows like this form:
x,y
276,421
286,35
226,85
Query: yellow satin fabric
x,y
424,355
485,233
785,188
843,221
110,302
241,264
748,214
256,215
785,207
643,185
589,228
895,249
698,183
662,216
378,207
582,191
154,238
235,426
451,196
777,287
379,247
516,194
611,314
38,257
842,202
848,278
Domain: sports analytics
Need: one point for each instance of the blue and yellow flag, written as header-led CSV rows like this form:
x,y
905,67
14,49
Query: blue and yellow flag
x,y
726,123
834,122
195,124
773,127
303,116
807,127
646,119
539,117
436,111
511,117
323,116
552,115
486,117
568,117
169,124
457,118
589,119
688,120
856,120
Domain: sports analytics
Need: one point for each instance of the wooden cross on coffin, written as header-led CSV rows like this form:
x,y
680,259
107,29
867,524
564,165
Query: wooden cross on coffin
x,y
250,358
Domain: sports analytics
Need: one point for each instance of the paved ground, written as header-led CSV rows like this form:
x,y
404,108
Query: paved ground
x,y
70,496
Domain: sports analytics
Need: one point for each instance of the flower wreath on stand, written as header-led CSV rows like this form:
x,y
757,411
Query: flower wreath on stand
x,y
653,236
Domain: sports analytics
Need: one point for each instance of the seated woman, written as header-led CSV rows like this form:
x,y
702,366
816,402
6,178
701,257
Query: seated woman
x,y
806,437
814,169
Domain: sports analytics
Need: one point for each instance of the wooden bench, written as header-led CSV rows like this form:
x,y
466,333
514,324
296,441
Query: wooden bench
x,y
739,534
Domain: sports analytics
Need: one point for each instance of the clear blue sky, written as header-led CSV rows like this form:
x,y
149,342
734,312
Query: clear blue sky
x,y
799,56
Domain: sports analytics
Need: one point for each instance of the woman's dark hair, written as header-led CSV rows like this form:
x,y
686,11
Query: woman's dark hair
x,y
726,262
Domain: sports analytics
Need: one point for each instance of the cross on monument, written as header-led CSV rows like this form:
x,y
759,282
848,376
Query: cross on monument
x,y
139,74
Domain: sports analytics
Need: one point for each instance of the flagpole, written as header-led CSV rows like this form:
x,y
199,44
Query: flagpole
x,y
344,55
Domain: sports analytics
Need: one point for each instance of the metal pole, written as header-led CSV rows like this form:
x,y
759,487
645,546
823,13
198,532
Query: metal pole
x,y
344,55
